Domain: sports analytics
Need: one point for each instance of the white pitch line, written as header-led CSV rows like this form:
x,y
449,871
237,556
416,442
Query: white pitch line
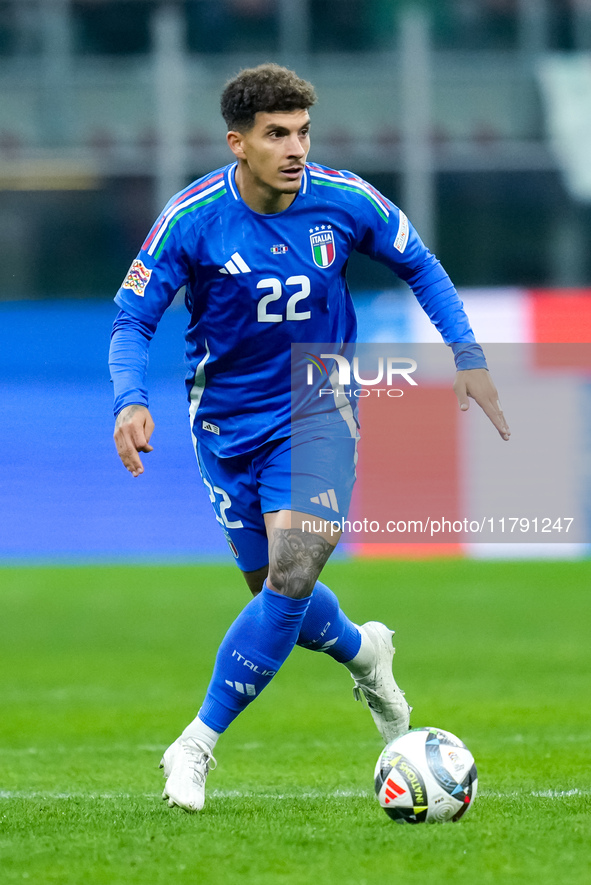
x,y
91,750
216,794
39,794
86,749
536,794
309,794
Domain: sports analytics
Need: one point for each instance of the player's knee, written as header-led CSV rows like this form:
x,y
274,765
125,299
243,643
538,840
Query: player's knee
x,y
296,560
296,583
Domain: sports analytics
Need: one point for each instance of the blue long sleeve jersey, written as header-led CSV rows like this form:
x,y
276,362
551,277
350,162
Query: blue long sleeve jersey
x,y
255,285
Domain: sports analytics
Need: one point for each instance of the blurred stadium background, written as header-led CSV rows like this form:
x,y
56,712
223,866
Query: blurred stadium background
x,y
473,115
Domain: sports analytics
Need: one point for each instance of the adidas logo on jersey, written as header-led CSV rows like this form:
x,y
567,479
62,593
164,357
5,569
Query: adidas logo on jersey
x,y
235,265
327,499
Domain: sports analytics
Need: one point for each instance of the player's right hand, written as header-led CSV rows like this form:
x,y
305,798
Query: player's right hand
x,y
133,429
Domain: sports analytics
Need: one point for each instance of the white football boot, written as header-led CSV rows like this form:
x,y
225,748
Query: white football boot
x,y
186,764
386,702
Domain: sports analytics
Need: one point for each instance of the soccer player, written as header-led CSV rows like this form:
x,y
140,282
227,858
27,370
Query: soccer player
x,y
262,247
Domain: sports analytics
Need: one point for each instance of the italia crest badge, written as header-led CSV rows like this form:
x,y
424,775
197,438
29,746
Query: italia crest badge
x,y
323,245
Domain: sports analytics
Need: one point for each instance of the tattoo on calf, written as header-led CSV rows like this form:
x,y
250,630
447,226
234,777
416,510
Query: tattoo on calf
x,y
297,558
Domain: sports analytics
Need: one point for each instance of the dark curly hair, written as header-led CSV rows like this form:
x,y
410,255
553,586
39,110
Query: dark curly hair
x,y
266,88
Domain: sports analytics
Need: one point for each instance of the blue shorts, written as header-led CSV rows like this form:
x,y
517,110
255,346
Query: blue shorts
x,y
312,472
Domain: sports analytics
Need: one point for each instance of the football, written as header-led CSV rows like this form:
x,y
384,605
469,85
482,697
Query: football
x,y
427,775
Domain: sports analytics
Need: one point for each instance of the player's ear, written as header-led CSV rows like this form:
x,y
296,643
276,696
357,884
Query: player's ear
x,y
235,142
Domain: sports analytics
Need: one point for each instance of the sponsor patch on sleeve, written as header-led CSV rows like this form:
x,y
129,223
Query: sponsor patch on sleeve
x,y
402,235
138,277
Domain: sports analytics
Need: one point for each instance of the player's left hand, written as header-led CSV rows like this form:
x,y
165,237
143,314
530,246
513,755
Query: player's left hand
x,y
477,384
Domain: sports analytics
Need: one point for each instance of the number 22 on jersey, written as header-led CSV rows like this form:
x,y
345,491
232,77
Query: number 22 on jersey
x,y
264,315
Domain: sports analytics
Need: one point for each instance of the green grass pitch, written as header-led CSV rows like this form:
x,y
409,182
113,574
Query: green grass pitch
x,y
101,667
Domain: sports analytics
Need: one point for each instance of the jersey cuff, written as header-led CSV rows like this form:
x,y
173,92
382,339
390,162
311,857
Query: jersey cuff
x,y
468,355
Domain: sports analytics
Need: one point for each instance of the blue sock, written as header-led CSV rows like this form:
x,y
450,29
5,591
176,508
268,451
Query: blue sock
x,y
326,628
251,652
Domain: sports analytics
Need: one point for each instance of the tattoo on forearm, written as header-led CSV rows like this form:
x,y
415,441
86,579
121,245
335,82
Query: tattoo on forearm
x,y
296,560
127,413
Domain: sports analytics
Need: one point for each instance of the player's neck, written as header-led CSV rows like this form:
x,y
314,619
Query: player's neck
x,y
260,197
